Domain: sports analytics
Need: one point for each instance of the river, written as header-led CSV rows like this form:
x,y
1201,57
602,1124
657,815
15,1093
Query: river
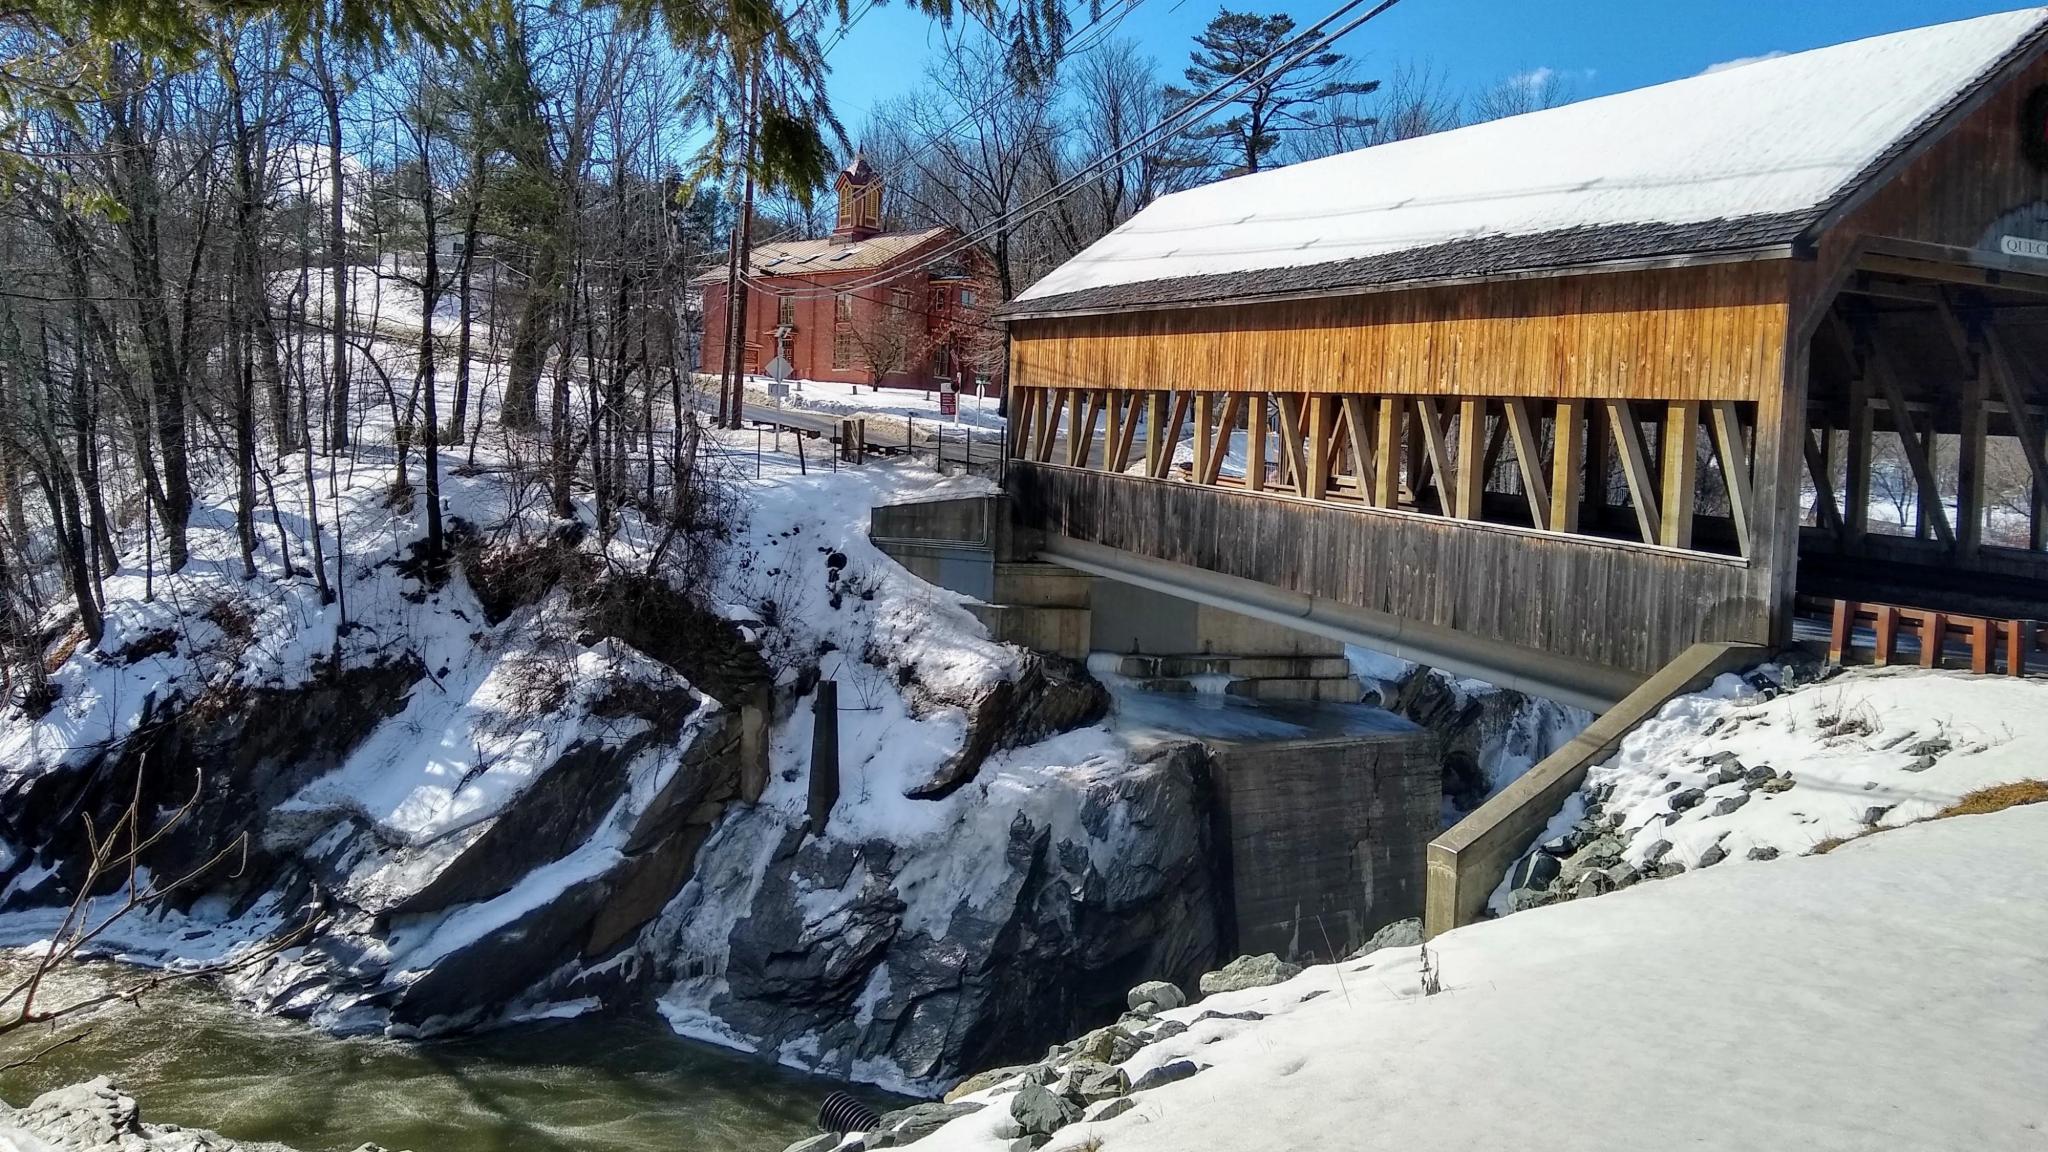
x,y
597,1084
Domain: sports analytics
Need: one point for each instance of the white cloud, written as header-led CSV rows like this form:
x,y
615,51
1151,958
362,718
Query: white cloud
x,y
1534,79
1738,62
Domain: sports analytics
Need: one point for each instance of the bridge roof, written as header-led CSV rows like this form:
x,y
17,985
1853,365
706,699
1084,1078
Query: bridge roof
x,y
1741,159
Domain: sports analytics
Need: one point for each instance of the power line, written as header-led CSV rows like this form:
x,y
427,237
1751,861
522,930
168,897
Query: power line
x,y
1314,41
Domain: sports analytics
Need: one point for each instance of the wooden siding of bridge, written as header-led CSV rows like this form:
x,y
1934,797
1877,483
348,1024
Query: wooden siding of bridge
x,y
1614,604
1713,332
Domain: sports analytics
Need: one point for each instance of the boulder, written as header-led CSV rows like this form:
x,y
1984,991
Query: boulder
x,y
1162,995
1686,798
95,1116
1656,852
1109,1109
1164,1030
1249,972
1098,1084
1400,934
1039,1112
1164,1074
1712,856
823,1142
1536,871
981,1081
909,1125
1728,804
1763,852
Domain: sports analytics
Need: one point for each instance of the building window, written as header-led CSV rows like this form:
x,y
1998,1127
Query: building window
x,y
942,361
845,353
967,297
785,310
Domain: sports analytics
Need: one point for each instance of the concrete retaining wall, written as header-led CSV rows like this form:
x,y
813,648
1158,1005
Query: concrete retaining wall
x,y
1466,863
1326,837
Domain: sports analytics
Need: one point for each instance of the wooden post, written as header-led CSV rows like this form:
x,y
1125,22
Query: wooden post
x,y
1635,467
1317,484
1730,448
1933,635
1386,474
1567,465
1887,629
1980,645
1156,444
1470,484
824,754
1115,431
1856,480
1293,463
1528,459
1681,471
1972,400
1255,443
1203,406
1842,636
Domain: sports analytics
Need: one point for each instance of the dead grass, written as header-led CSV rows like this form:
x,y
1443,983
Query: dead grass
x,y
1982,802
1997,799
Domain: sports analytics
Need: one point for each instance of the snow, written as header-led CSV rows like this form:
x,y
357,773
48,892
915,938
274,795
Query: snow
x,y
1851,744
1775,136
1888,995
844,399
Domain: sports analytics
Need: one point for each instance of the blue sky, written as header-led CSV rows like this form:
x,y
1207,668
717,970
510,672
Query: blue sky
x,y
1601,46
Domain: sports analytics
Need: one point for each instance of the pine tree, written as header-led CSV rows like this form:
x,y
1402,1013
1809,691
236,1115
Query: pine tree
x,y
1285,95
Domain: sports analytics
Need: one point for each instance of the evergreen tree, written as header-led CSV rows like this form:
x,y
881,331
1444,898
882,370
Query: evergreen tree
x,y
1285,95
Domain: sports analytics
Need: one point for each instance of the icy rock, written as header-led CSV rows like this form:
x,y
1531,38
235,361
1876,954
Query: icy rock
x,y
1876,812
1247,1014
95,1116
1623,876
1164,1030
909,1125
1763,852
1603,851
1656,852
1099,1084
1712,856
1038,1111
981,1081
1536,871
1109,1109
1400,934
1728,804
1164,1074
1686,798
1921,764
1163,995
1666,869
1759,774
1776,784
1563,845
1111,1045
1031,1143
823,1142
1249,972
1593,883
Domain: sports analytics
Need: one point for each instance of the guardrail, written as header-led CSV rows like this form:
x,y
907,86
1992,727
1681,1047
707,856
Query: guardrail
x,y
1983,640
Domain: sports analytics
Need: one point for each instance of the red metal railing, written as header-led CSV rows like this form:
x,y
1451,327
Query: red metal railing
x,y
1986,639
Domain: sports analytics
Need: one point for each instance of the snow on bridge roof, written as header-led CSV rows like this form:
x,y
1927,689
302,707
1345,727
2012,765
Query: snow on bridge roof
x,y
1741,158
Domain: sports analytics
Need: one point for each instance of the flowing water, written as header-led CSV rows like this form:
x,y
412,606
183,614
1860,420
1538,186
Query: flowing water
x,y
599,1084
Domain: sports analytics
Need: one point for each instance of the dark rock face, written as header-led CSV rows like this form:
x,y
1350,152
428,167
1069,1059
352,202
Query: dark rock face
x,y
1049,696
1051,946
1476,729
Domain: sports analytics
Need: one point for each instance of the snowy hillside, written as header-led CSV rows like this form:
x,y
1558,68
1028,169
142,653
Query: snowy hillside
x,y
1888,995
1745,773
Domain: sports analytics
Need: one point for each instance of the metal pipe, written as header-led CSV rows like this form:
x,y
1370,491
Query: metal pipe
x,y
1579,683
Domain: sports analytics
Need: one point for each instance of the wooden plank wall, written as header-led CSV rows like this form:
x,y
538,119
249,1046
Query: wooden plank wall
x,y
1701,333
1622,606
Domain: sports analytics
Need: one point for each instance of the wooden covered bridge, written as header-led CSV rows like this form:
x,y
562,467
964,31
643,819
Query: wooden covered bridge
x,y
1551,398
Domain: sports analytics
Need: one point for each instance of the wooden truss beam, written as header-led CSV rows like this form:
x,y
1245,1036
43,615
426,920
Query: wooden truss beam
x,y
1635,467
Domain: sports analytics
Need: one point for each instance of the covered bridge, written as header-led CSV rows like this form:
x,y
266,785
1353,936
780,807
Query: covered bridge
x,y
1550,398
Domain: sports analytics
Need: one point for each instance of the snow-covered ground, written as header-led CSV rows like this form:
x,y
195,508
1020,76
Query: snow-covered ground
x,y
1888,995
1737,776
976,412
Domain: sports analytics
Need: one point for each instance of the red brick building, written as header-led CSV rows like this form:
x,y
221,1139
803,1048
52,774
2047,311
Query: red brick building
x,y
864,306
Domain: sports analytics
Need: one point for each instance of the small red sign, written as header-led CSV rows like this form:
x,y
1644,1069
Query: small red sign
x,y
949,402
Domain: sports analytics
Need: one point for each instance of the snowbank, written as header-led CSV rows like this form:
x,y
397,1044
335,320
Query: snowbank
x,y
1889,995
